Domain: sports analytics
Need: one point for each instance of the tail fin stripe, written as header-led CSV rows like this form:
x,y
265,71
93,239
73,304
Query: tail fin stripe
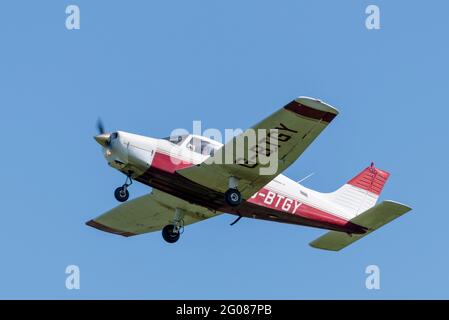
x,y
370,179
361,192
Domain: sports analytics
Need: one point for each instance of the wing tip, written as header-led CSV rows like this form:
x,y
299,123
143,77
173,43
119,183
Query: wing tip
x,y
405,207
314,245
312,109
97,225
317,104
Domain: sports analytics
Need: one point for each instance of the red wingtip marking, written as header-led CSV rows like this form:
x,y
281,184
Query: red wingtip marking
x,y
309,112
102,227
370,179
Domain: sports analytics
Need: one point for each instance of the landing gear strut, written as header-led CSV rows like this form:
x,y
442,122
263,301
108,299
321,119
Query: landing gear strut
x,y
121,194
232,195
172,232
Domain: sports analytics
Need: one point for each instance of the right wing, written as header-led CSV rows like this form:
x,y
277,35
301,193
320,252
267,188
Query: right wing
x,y
372,219
281,137
148,213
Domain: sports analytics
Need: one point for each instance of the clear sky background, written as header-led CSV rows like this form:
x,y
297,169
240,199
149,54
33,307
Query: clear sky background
x,y
152,66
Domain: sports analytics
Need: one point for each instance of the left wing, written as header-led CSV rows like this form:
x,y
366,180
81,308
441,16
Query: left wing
x,y
148,213
281,138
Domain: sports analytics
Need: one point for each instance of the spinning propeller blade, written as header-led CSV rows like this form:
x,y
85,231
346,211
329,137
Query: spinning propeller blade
x,y
100,126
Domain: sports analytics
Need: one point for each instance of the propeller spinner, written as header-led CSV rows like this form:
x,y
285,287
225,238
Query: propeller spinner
x,y
103,137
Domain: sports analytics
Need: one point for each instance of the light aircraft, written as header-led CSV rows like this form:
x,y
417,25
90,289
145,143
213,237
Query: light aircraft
x,y
187,188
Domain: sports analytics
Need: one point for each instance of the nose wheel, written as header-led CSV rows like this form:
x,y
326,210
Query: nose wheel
x,y
121,194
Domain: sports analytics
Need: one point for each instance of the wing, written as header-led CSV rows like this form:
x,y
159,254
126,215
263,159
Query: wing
x,y
279,140
147,214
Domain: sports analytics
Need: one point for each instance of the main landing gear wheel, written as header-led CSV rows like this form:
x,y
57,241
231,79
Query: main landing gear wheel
x,y
121,194
233,197
170,233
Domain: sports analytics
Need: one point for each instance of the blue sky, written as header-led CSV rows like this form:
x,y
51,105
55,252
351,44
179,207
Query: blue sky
x,y
149,67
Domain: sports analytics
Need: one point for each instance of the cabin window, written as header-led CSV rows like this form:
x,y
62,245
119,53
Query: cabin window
x,y
202,147
178,140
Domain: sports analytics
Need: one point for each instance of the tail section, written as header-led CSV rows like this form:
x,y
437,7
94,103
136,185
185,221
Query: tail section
x,y
361,192
357,202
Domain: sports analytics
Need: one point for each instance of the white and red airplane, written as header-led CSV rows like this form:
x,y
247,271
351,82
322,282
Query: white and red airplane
x,y
188,189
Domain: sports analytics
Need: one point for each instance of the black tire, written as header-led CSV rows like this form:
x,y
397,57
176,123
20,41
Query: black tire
x,y
121,194
233,197
169,235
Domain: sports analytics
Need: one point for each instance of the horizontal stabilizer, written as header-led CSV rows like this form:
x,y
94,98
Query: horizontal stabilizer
x,y
371,219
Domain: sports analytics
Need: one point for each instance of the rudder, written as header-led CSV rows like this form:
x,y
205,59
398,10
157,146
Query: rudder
x,y
361,192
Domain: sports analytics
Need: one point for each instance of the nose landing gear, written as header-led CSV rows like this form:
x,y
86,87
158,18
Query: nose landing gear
x,y
121,194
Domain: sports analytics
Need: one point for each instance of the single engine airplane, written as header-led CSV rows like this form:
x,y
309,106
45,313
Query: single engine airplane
x,y
187,188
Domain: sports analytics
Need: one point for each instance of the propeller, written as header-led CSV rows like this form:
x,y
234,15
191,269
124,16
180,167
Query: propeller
x,y
100,126
102,138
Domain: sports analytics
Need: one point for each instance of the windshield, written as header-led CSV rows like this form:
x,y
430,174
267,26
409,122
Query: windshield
x,y
112,137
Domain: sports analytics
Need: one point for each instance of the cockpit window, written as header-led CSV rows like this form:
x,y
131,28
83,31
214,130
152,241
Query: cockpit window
x,y
202,147
195,144
178,140
208,149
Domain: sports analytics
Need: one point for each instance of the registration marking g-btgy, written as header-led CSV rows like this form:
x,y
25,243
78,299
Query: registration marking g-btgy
x,y
277,201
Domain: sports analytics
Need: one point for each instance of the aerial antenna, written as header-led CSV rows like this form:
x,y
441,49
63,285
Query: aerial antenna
x,y
306,177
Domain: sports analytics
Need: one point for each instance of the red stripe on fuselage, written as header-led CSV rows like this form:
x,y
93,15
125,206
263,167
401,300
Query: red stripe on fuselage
x,y
286,205
169,163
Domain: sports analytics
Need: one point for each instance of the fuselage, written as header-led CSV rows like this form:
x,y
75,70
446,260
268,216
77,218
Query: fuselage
x,y
155,162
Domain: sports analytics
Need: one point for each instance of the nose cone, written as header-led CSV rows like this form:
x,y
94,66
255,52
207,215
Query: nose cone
x,y
103,139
